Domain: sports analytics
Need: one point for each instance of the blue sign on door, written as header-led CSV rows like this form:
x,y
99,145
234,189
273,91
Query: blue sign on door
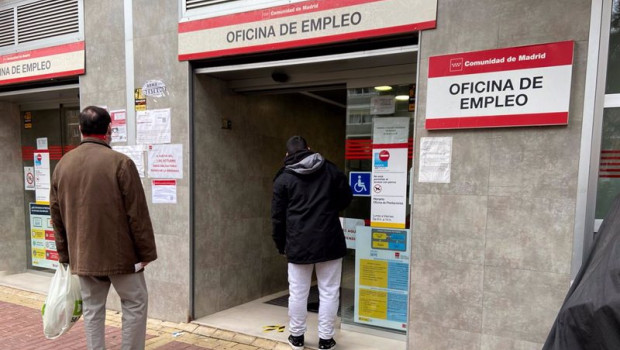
x,y
360,183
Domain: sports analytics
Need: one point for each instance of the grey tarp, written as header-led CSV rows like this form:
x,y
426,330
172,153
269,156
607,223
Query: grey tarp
x,y
590,316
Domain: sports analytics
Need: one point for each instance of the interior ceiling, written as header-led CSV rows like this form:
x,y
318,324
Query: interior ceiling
x,y
62,95
325,79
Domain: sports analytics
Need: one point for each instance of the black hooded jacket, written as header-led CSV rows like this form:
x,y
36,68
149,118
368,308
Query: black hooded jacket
x,y
308,193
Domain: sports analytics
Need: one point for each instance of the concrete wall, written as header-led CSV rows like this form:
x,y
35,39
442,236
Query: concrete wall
x,y
155,57
492,249
235,257
13,250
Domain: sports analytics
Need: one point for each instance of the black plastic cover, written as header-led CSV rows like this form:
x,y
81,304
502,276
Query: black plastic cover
x,y
590,316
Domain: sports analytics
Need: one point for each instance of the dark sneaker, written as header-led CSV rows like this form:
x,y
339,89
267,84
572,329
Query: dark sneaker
x,y
297,343
327,343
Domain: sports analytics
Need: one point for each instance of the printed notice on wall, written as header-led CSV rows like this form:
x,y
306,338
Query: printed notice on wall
x,y
29,178
119,125
389,172
42,240
136,153
164,191
42,177
165,161
153,126
435,159
382,277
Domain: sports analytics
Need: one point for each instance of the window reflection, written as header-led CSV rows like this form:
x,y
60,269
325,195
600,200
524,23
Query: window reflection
x,y
613,66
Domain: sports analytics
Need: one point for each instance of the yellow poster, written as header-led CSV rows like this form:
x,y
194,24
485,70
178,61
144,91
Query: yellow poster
x,y
38,253
373,303
374,273
38,234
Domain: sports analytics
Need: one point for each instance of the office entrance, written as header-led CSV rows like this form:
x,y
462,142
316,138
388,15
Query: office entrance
x,y
242,118
49,128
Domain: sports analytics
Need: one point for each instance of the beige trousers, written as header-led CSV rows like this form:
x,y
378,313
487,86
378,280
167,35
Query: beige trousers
x,y
134,302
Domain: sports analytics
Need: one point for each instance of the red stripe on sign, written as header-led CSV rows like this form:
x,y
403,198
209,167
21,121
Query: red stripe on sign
x,y
609,164
267,14
43,76
389,145
68,148
311,41
611,170
541,119
555,54
47,51
164,182
359,149
610,151
28,153
610,176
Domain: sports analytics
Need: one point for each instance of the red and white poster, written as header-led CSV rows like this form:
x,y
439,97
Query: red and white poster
x,y
518,86
46,63
119,125
165,161
300,24
388,206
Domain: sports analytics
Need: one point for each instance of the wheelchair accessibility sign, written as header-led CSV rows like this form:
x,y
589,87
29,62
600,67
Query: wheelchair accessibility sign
x,y
360,183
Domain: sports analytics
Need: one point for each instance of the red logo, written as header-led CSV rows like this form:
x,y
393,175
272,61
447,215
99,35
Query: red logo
x,y
384,155
39,157
456,64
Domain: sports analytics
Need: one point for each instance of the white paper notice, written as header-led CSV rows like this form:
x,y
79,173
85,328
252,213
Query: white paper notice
x,y
29,178
164,191
136,153
153,126
42,177
349,227
382,105
165,161
435,159
389,172
42,143
119,126
390,130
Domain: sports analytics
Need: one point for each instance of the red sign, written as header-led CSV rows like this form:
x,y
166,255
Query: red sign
x,y
40,64
384,155
517,86
49,235
51,255
299,24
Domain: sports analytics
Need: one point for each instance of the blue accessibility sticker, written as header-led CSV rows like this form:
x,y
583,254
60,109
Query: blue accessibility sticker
x,y
360,183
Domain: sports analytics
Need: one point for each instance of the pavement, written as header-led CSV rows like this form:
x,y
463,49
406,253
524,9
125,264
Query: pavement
x,y
21,328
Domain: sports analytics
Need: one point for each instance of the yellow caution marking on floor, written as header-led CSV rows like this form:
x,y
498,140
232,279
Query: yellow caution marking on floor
x,y
277,327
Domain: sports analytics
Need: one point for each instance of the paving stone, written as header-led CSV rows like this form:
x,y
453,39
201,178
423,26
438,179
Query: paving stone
x,y
21,328
264,343
243,339
222,334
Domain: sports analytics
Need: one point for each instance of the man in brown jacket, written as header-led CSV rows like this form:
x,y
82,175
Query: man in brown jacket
x,y
103,229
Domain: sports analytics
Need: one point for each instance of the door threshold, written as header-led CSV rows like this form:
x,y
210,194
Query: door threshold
x,y
262,320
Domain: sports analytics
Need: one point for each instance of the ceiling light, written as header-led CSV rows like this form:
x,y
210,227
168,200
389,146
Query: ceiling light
x,y
383,88
402,97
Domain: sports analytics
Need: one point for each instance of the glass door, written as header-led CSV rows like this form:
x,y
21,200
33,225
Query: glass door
x,y
375,283
46,135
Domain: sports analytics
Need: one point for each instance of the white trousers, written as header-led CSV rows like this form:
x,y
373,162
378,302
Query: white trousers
x,y
134,303
328,276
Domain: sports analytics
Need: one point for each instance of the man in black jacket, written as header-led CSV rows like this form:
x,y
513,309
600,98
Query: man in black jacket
x,y
308,193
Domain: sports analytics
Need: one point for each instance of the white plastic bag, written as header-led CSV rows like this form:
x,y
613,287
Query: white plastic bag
x,y
63,305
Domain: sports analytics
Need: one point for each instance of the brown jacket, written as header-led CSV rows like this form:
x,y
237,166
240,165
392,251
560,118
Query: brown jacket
x,y
99,211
